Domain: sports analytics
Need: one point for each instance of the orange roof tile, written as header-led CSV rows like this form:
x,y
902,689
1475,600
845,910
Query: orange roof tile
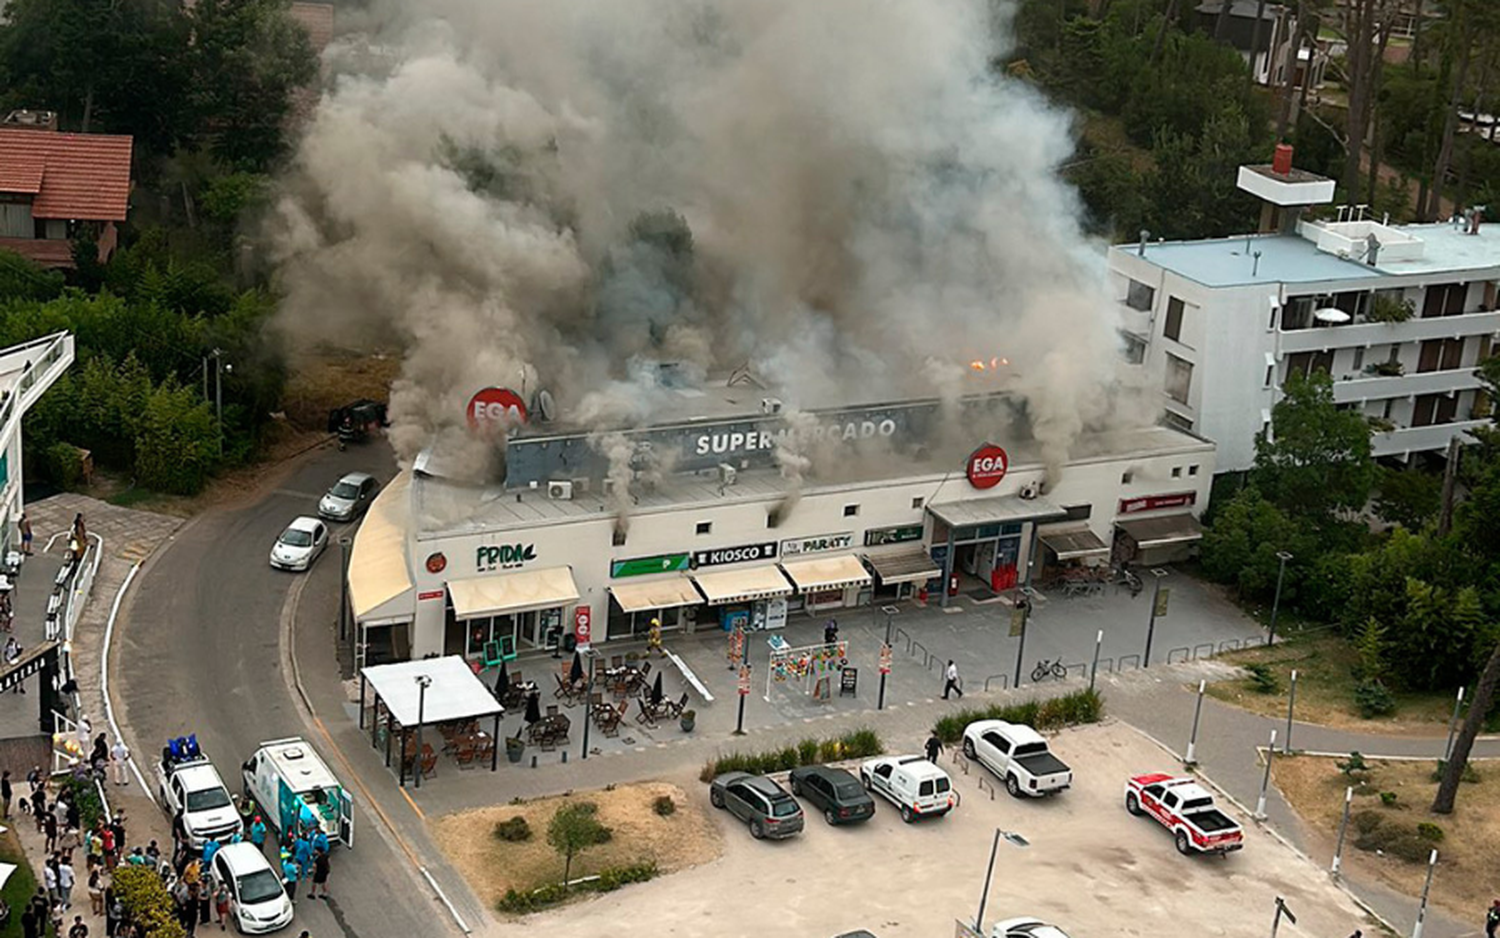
x,y
317,19
86,176
49,252
21,175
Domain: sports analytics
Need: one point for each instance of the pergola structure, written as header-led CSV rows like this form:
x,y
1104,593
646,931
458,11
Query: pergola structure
x,y
425,692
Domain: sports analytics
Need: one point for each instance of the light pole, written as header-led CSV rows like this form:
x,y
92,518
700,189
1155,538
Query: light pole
x,y
423,682
588,704
1416,931
219,368
1160,574
1265,782
1094,671
1282,556
1021,646
344,542
1291,703
989,873
1453,725
1192,750
885,651
1338,850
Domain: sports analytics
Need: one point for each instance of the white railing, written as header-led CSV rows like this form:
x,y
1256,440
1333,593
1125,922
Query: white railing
x,y
1421,439
1426,382
1318,338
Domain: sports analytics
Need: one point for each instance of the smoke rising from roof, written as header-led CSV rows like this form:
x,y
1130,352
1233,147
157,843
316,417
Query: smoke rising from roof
x,y
843,194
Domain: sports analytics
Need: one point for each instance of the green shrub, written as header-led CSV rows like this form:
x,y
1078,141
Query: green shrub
x,y
614,877
664,806
807,752
86,796
64,463
1082,706
856,744
787,759
1373,700
828,750
1388,798
1354,765
608,880
1385,836
1470,774
147,901
1262,680
859,744
1367,821
513,830
1430,832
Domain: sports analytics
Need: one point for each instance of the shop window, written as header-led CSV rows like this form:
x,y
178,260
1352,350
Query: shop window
x,y
1173,327
1010,530
916,503
705,527
1140,296
1192,470
1176,472
851,510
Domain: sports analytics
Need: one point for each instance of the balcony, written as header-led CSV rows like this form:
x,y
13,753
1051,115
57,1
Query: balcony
x,y
1318,338
26,372
1355,390
1409,440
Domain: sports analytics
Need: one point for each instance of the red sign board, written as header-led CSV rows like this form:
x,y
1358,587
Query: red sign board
x,y
436,563
583,625
495,409
430,594
744,681
1129,506
987,466
885,659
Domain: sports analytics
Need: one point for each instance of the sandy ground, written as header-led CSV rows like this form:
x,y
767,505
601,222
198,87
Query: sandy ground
x,y
685,838
1091,868
1468,856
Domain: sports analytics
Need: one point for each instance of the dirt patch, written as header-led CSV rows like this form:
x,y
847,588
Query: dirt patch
x,y
677,841
1468,852
324,379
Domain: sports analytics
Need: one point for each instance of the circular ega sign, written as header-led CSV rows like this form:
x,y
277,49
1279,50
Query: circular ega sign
x,y
987,466
495,409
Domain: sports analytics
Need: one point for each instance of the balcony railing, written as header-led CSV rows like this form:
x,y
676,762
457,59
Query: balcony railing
x,y
1421,439
1319,338
43,360
1428,382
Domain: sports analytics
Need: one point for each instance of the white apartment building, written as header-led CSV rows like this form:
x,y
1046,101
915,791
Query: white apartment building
x,y
1226,321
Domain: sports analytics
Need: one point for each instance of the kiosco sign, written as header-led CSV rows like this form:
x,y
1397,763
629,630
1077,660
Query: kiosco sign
x,y
987,466
495,409
502,556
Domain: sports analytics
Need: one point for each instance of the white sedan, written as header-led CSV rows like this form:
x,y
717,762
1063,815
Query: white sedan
x,y
1026,928
300,544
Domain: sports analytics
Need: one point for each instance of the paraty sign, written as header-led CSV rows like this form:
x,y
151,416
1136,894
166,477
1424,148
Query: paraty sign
x,y
502,556
816,545
987,466
495,409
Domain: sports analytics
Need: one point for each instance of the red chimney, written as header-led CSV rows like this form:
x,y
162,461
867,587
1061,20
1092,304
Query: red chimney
x,y
1281,163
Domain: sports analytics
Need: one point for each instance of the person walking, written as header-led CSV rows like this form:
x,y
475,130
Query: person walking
x,y
25,526
951,680
49,827
934,746
221,904
1492,919
49,879
65,880
119,756
319,874
39,808
96,891
6,792
289,876
258,834
79,930
831,632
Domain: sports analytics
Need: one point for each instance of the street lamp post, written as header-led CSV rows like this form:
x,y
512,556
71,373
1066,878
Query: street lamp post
x,y
219,368
1291,704
1265,782
1282,556
1160,574
1453,725
889,612
989,874
1338,850
588,704
1416,931
344,541
1192,749
1094,671
1021,646
423,682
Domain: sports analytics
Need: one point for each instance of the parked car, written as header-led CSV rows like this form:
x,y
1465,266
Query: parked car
x,y
1186,809
1026,928
913,784
834,792
1019,756
758,801
349,497
259,901
300,544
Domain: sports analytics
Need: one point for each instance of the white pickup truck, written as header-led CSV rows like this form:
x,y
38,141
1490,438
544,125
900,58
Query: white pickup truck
x,y
189,783
1019,756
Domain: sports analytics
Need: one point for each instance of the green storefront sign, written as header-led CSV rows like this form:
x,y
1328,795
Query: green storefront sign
x,y
640,566
877,537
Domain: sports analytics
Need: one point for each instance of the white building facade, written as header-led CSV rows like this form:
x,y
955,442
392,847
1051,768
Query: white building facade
x,y
1224,322
26,372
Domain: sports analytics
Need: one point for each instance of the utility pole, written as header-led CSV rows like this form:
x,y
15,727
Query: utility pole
x,y
1450,473
1282,556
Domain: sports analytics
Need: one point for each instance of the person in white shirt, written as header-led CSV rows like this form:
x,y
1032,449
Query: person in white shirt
x,y
65,880
120,755
951,680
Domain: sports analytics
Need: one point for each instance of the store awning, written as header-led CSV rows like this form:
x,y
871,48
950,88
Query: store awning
x,y
656,594
827,573
904,566
506,593
380,586
453,692
740,586
1163,530
998,510
1073,541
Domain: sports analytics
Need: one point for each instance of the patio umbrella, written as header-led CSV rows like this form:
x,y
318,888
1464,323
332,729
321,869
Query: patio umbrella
x,y
533,707
502,681
575,673
656,690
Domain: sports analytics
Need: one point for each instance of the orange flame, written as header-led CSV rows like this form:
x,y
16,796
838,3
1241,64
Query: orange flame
x,y
994,364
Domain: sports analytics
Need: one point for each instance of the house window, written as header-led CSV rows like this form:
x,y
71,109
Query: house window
x,y
1126,476
916,503
1176,472
851,510
1429,409
1140,296
1192,470
619,537
1270,374
705,527
1444,299
1390,403
1306,363
1179,378
1359,359
1173,328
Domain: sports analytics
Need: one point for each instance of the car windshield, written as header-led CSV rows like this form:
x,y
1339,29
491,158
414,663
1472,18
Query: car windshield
x,y
783,807
207,799
295,538
345,490
260,886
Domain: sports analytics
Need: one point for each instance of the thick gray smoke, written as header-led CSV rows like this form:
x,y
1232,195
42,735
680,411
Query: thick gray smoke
x,y
842,193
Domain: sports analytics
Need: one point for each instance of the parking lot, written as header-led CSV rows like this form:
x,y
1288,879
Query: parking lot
x,y
1090,868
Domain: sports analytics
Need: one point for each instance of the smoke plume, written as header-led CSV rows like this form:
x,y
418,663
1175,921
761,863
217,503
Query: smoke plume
x,y
843,194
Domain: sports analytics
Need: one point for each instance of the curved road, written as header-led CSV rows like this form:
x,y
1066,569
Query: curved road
x,y
198,651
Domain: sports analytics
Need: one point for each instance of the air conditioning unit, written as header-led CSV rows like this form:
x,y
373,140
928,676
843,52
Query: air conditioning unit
x,y
770,405
1029,490
581,485
727,473
560,491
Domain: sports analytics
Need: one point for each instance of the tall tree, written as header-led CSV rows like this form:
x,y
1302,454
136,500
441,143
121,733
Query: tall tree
x,y
1366,26
1458,760
1314,459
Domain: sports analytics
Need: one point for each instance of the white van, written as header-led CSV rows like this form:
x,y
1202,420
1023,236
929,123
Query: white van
x,y
294,789
913,784
258,901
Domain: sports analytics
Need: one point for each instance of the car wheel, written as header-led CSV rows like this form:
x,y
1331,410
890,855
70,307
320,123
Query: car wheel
x,y
830,817
757,830
716,797
865,780
1133,804
796,787
906,814
969,748
1013,786
1183,846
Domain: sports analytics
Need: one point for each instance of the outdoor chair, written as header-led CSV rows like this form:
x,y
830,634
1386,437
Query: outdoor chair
x,y
646,716
465,753
645,671
617,661
564,691
596,699
429,761
486,750
680,705
551,710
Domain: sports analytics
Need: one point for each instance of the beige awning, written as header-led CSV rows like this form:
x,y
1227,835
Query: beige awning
x,y
1162,531
666,593
744,585
508,593
827,573
380,585
913,565
1073,541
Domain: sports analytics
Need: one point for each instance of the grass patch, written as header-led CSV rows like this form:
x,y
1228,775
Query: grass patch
x,y
1327,692
132,497
608,880
20,887
857,744
1081,706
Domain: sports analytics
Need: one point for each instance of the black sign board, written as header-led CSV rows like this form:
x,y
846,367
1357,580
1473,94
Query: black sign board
x,y
744,553
849,682
32,661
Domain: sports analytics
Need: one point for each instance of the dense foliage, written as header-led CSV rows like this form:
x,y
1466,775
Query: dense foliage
x,y
857,744
1081,706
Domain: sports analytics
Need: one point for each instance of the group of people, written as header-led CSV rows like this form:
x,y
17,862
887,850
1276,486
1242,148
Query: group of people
x,y
306,857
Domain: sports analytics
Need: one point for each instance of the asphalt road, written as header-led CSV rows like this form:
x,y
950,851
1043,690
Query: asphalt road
x,y
198,652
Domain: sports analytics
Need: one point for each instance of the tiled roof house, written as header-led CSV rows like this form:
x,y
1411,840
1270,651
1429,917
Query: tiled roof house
x,y
55,187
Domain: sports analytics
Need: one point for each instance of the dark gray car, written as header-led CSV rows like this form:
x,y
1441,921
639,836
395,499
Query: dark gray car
x,y
839,795
758,801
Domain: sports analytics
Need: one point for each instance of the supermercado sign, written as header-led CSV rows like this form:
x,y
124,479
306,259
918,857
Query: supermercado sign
x,y
740,442
816,545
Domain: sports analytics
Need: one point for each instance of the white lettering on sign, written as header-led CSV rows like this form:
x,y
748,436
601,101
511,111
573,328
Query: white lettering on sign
x,y
816,545
738,441
741,554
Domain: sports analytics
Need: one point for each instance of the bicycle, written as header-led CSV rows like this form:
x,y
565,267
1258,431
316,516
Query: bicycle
x,y
1044,668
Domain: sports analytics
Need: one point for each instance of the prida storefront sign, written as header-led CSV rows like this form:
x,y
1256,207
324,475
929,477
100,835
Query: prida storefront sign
x,y
745,553
490,557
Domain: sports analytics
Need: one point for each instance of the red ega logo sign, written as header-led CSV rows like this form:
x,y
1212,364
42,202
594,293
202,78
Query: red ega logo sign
x,y
987,466
495,409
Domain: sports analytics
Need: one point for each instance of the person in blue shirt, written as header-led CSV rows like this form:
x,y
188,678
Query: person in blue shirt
x,y
302,853
319,841
289,877
258,833
210,847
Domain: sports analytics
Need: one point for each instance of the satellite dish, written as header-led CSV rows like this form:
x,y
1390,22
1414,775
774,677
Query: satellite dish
x,y
1331,314
545,406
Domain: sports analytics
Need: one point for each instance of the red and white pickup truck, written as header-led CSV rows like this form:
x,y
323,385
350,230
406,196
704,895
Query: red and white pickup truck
x,y
1187,810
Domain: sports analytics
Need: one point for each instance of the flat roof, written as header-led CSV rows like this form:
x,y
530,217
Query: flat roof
x,y
1447,249
301,766
453,694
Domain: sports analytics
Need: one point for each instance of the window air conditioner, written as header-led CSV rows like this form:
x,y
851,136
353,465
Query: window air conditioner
x,y
560,491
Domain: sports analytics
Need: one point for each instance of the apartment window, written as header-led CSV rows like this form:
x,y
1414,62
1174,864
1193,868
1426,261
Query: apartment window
x,y
1173,328
1176,472
1440,354
1306,363
1444,299
1385,411
916,503
850,511
1192,470
1429,409
1133,347
1359,359
1125,478
1270,374
705,527
1179,378
1140,296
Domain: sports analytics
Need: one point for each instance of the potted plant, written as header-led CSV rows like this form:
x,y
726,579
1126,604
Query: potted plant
x,y
514,748
688,720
